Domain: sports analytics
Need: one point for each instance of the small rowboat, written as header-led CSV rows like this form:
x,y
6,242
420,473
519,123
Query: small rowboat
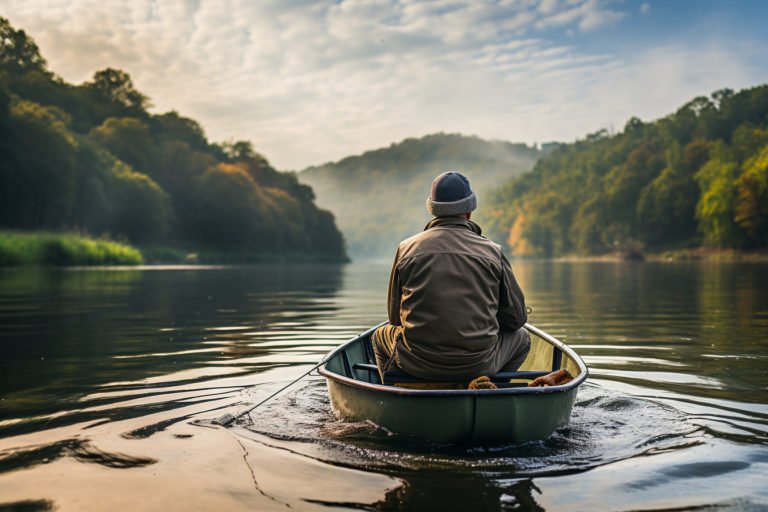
x,y
513,413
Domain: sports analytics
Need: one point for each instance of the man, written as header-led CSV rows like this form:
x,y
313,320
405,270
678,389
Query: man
x,y
456,311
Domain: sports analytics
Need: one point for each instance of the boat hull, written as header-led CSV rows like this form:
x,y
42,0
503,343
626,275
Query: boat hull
x,y
456,419
509,415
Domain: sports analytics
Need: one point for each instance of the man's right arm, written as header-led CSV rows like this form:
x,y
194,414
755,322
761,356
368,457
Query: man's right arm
x,y
393,297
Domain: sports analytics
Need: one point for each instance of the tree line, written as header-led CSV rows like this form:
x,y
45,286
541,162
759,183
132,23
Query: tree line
x,y
91,158
697,177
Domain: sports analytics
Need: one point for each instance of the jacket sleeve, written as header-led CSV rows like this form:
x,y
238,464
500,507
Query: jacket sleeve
x,y
512,312
393,297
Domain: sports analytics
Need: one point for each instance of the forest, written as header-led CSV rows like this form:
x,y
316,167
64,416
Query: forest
x,y
695,178
92,159
379,197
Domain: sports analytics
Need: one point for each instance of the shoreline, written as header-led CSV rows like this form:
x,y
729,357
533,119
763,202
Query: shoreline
x,y
707,254
67,250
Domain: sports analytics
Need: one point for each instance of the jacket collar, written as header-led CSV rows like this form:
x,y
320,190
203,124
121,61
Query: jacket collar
x,y
453,222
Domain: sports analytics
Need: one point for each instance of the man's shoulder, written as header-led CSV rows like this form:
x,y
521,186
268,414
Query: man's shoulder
x,y
407,245
448,240
413,238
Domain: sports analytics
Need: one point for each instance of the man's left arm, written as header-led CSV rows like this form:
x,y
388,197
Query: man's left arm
x,y
393,296
512,312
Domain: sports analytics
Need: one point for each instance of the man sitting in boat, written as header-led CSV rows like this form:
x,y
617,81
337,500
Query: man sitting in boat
x,y
456,311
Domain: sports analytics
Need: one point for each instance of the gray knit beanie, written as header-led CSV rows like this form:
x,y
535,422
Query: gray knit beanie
x,y
451,195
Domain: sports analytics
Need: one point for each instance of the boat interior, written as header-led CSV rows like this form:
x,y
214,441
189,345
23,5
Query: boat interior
x,y
356,360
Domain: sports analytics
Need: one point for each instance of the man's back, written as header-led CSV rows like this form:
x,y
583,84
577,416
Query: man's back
x,y
455,309
449,292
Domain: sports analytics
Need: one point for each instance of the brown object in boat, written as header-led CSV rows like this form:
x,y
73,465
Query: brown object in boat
x,y
482,383
557,378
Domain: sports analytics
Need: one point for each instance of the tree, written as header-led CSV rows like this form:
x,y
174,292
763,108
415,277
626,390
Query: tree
x,y
715,208
233,211
127,138
39,175
752,202
634,125
240,150
666,208
141,210
18,52
115,86
173,127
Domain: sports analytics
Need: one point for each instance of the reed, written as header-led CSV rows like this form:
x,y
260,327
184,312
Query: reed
x,y
63,249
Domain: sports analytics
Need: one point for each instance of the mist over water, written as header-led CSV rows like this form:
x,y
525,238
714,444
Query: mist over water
x,y
104,373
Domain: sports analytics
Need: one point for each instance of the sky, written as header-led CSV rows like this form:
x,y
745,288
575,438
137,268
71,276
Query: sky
x,y
310,82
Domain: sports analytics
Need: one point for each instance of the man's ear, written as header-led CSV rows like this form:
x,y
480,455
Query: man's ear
x,y
469,215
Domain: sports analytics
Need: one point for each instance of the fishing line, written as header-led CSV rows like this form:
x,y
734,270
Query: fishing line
x,y
227,419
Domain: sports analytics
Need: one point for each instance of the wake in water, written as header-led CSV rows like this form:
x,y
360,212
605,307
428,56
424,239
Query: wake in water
x,y
605,427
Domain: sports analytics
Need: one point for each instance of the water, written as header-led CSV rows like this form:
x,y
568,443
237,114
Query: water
x,y
104,374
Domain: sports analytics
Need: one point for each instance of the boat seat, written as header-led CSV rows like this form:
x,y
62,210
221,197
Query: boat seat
x,y
397,376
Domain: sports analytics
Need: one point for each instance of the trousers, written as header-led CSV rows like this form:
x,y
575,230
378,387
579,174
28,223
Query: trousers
x,y
511,350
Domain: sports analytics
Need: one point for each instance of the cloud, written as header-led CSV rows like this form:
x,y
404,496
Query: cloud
x,y
310,81
588,15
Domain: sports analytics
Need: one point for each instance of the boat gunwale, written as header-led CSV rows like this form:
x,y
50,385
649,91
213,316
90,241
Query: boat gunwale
x,y
564,388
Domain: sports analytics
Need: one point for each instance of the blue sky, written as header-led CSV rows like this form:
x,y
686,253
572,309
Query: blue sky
x,y
314,81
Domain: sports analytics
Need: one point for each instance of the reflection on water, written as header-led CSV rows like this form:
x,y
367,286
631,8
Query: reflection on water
x,y
104,372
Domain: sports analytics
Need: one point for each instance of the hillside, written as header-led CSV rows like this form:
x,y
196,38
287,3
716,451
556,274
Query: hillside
x,y
91,158
379,197
697,177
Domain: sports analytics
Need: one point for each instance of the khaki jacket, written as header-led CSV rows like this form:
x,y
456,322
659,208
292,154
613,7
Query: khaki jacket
x,y
452,291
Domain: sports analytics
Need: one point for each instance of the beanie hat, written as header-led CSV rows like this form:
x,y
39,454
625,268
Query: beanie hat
x,y
451,195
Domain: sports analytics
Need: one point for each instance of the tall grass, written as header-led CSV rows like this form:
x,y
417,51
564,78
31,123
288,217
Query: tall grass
x,y
61,249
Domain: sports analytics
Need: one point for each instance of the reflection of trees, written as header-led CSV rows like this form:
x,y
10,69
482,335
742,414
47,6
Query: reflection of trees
x,y
701,317
434,491
62,330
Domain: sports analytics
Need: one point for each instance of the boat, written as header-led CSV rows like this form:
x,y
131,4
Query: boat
x,y
513,413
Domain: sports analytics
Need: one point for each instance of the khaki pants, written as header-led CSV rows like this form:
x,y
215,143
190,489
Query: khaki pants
x,y
511,351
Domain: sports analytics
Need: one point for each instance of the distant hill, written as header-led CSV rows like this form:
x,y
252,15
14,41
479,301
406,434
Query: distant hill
x,y
698,176
379,197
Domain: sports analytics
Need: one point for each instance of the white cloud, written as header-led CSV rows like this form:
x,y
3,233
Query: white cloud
x,y
645,8
310,81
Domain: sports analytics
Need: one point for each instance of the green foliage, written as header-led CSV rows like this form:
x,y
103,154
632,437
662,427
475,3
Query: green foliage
x,y
40,248
717,180
141,210
115,86
90,158
127,138
379,197
39,167
696,176
752,198
18,52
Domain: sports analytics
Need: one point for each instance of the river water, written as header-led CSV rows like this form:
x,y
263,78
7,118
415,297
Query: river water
x,y
105,375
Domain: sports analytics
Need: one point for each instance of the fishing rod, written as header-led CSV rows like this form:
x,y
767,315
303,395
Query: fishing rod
x,y
227,419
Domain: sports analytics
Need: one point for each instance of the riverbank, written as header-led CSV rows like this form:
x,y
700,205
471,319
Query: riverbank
x,y
694,254
19,248
63,249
